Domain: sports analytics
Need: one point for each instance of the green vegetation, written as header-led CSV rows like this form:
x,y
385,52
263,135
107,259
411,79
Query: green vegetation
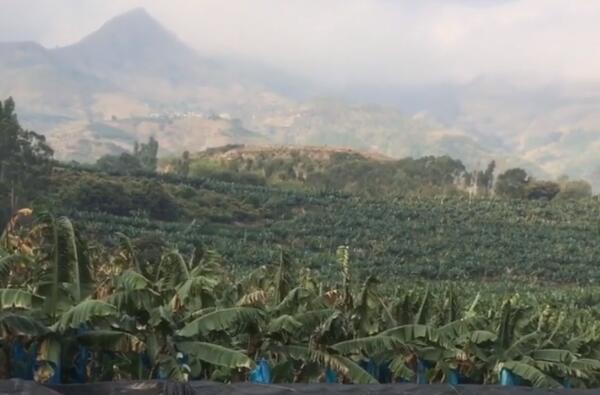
x,y
367,175
142,310
435,237
317,169
143,160
407,218
146,154
512,183
25,162
134,288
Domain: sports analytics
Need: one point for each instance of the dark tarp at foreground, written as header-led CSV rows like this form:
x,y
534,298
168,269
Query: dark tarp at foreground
x,y
14,387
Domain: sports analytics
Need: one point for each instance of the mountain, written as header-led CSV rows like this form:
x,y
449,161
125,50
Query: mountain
x,y
131,57
127,80
134,43
133,78
556,126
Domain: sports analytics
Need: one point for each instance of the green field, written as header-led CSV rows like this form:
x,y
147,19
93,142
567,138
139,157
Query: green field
x,y
156,276
141,309
360,269
436,237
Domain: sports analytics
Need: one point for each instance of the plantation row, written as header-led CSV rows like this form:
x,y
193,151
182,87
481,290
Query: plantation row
x,y
448,237
81,312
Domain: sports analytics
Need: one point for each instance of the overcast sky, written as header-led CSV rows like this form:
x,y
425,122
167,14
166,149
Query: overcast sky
x,y
381,41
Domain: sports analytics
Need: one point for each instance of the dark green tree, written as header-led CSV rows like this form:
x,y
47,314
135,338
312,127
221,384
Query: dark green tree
x,y
512,183
482,179
182,168
124,164
25,162
147,154
486,181
123,197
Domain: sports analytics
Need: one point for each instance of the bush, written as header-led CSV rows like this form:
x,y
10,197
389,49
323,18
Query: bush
x,y
121,198
125,164
542,190
577,189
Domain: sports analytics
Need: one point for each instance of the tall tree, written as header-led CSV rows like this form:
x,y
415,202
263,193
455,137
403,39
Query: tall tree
x,y
183,165
512,183
25,162
147,154
487,179
481,181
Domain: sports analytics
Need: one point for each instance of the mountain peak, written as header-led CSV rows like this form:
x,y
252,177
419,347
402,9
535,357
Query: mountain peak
x,y
129,42
134,20
134,27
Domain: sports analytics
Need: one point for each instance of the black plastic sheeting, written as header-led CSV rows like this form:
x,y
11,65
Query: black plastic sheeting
x,y
414,389
16,386
210,388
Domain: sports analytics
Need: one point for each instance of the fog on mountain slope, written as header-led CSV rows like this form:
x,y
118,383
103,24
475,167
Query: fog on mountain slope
x,y
133,77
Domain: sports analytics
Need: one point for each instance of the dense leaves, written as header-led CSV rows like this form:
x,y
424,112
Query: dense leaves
x,y
434,237
186,316
25,162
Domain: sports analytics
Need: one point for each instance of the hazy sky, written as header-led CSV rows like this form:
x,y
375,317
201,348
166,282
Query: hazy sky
x,y
393,41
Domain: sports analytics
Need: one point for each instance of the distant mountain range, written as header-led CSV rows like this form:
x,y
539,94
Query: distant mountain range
x,y
133,78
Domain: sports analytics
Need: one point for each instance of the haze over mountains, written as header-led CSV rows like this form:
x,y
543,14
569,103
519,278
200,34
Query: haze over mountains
x,y
133,78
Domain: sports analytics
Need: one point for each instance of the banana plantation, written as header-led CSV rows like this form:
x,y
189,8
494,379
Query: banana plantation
x,y
434,237
78,312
